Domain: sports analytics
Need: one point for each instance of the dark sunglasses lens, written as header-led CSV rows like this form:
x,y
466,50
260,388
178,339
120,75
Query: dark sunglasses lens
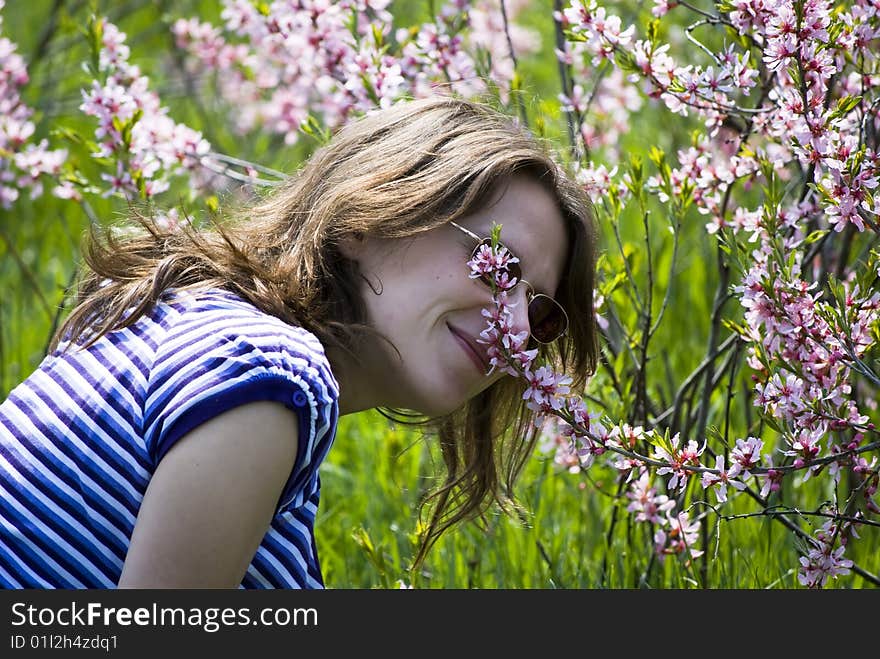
x,y
546,319
513,268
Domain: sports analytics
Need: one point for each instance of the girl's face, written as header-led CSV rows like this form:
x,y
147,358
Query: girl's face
x,y
431,311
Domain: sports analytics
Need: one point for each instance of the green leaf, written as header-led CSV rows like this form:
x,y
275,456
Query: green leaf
x,y
608,287
378,37
627,62
834,31
651,30
734,327
845,105
657,156
636,172
371,90
816,236
540,126
495,234
848,103
363,540
313,128
95,37
65,133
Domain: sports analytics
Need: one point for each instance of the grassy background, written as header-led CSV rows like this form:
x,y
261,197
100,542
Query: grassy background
x,y
576,533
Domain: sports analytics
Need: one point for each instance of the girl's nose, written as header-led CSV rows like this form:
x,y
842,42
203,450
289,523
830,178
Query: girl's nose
x,y
519,299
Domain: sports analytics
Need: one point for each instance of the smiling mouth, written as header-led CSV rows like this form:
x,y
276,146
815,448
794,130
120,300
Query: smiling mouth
x,y
468,346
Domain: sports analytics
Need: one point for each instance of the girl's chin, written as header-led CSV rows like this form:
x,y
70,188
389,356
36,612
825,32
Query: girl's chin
x,y
442,397
441,406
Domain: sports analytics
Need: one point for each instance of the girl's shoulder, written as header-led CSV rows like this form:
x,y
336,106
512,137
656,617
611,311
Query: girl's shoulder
x,y
213,310
217,351
219,321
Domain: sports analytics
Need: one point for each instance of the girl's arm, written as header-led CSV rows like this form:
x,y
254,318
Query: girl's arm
x,y
211,500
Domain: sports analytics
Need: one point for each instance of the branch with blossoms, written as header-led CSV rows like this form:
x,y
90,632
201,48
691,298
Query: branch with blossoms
x,y
582,437
136,140
291,68
784,158
294,68
23,164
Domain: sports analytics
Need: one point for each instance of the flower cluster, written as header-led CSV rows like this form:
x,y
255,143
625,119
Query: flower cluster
x,y
23,163
801,355
825,556
576,439
329,61
789,111
134,133
566,423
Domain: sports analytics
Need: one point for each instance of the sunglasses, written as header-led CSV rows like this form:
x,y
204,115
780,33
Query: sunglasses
x,y
547,319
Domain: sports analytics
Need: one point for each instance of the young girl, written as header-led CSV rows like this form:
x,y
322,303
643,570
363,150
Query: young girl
x,y
173,435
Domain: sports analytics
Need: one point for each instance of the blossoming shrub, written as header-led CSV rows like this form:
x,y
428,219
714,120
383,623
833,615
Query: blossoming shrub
x,y
730,148
783,166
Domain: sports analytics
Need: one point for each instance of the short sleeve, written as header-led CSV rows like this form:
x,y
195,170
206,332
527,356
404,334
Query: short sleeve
x,y
212,361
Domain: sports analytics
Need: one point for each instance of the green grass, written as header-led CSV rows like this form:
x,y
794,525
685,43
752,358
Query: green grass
x,y
366,527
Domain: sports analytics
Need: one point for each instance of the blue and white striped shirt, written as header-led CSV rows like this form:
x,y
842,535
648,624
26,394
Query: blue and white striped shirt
x,y
82,436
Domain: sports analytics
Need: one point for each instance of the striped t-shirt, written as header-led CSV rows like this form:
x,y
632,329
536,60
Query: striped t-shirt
x,y
81,437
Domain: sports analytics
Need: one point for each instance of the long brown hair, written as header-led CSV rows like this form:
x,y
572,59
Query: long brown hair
x,y
391,174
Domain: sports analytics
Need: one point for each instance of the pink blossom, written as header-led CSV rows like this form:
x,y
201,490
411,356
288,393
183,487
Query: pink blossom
x,y
662,7
553,439
804,350
824,560
722,478
487,261
596,180
747,454
647,505
23,162
133,129
677,460
805,446
325,59
772,478
679,538
546,389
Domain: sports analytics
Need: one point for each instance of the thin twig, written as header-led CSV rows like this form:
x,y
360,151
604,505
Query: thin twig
x,y
248,164
697,42
609,535
519,100
642,374
565,82
716,380
794,528
210,163
672,263
699,11
770,512
692,378
632,290
554,575
721,297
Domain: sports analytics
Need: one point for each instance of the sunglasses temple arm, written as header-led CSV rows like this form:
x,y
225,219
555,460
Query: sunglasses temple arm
x,y
468,232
